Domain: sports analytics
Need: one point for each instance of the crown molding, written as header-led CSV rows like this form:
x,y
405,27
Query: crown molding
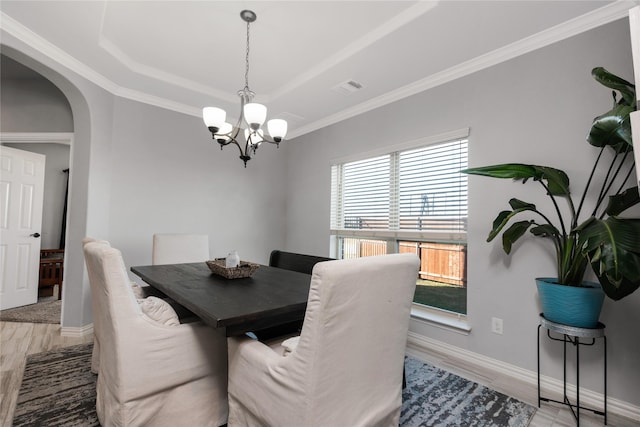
x,y
53,52
398,21
154,73
157,101
586,22
48,49
388,27
65,138
163,76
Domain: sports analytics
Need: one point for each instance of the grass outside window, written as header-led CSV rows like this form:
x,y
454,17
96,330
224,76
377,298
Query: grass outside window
x,y
441,295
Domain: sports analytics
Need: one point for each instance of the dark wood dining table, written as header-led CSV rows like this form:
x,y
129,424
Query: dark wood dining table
x,y
270,297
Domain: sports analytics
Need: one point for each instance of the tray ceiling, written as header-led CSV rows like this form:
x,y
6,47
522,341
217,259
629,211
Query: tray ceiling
x,y
185,55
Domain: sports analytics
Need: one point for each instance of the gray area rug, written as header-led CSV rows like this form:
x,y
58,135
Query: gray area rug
x,y
434,397
42,312
58,389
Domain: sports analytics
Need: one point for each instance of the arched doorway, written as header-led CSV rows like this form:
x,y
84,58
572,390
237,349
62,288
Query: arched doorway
x,y
76,307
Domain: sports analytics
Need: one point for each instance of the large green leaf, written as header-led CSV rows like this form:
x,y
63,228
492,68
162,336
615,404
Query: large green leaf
x,y
620,233
506,170
556,180
504,216
618,273
621,202
613,248
614,82
613,129
619,290
545,230
499,223
513,233
519,204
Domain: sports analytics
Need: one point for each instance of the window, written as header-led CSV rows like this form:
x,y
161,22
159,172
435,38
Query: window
x,y
413,199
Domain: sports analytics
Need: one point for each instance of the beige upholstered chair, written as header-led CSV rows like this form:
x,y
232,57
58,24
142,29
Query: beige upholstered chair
x,y
153,370
175,248
95,355
301,263
179,248
346,367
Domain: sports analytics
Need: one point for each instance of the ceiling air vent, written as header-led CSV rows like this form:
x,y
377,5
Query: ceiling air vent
x,y
348,87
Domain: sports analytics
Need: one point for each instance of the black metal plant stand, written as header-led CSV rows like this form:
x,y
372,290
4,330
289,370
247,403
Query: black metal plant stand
x,y
572,335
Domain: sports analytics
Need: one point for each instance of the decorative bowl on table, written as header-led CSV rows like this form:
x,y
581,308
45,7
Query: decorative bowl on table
x,y
245,269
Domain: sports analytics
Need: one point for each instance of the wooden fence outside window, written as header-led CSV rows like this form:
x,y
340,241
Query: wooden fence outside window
x,y
439,262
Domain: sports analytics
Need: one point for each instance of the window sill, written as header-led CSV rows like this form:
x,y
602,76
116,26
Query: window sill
x,y
440,318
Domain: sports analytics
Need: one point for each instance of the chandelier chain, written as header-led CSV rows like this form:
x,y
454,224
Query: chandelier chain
x,y
246,72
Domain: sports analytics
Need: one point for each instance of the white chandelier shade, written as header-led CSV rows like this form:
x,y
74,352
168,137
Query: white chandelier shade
x,y
255,114
277,128
252,116
214,117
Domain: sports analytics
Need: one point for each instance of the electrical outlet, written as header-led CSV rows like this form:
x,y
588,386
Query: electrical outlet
x,y
496,325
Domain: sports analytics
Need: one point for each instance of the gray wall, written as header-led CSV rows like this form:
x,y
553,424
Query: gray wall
x,y
169,177
137,170
26,95
536,108
55,183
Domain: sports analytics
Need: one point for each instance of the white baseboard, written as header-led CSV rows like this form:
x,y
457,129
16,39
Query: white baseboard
x,y
419,345
69,331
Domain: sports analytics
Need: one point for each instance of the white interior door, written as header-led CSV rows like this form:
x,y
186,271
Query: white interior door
x,y
21,197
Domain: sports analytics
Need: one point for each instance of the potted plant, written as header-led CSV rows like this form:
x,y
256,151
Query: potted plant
x,y
599,235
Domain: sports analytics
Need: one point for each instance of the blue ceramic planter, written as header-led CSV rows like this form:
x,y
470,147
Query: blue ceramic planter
x,y
570,305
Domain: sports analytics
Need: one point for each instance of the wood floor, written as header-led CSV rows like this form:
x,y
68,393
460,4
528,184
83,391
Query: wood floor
x,y
17,340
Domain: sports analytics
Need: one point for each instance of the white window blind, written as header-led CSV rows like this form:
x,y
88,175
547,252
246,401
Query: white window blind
x,y
417,189
433,192
365,194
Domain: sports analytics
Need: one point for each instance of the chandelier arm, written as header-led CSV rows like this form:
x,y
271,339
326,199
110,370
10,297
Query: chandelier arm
x,y
271,141
231,135
233,141
236,130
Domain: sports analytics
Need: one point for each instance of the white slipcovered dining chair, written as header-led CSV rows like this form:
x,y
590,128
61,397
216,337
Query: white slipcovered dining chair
x,y
95,355
175,248
153,371
179,248
345,368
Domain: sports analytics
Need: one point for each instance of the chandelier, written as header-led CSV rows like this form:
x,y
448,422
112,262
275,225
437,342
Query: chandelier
x,y
252,116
